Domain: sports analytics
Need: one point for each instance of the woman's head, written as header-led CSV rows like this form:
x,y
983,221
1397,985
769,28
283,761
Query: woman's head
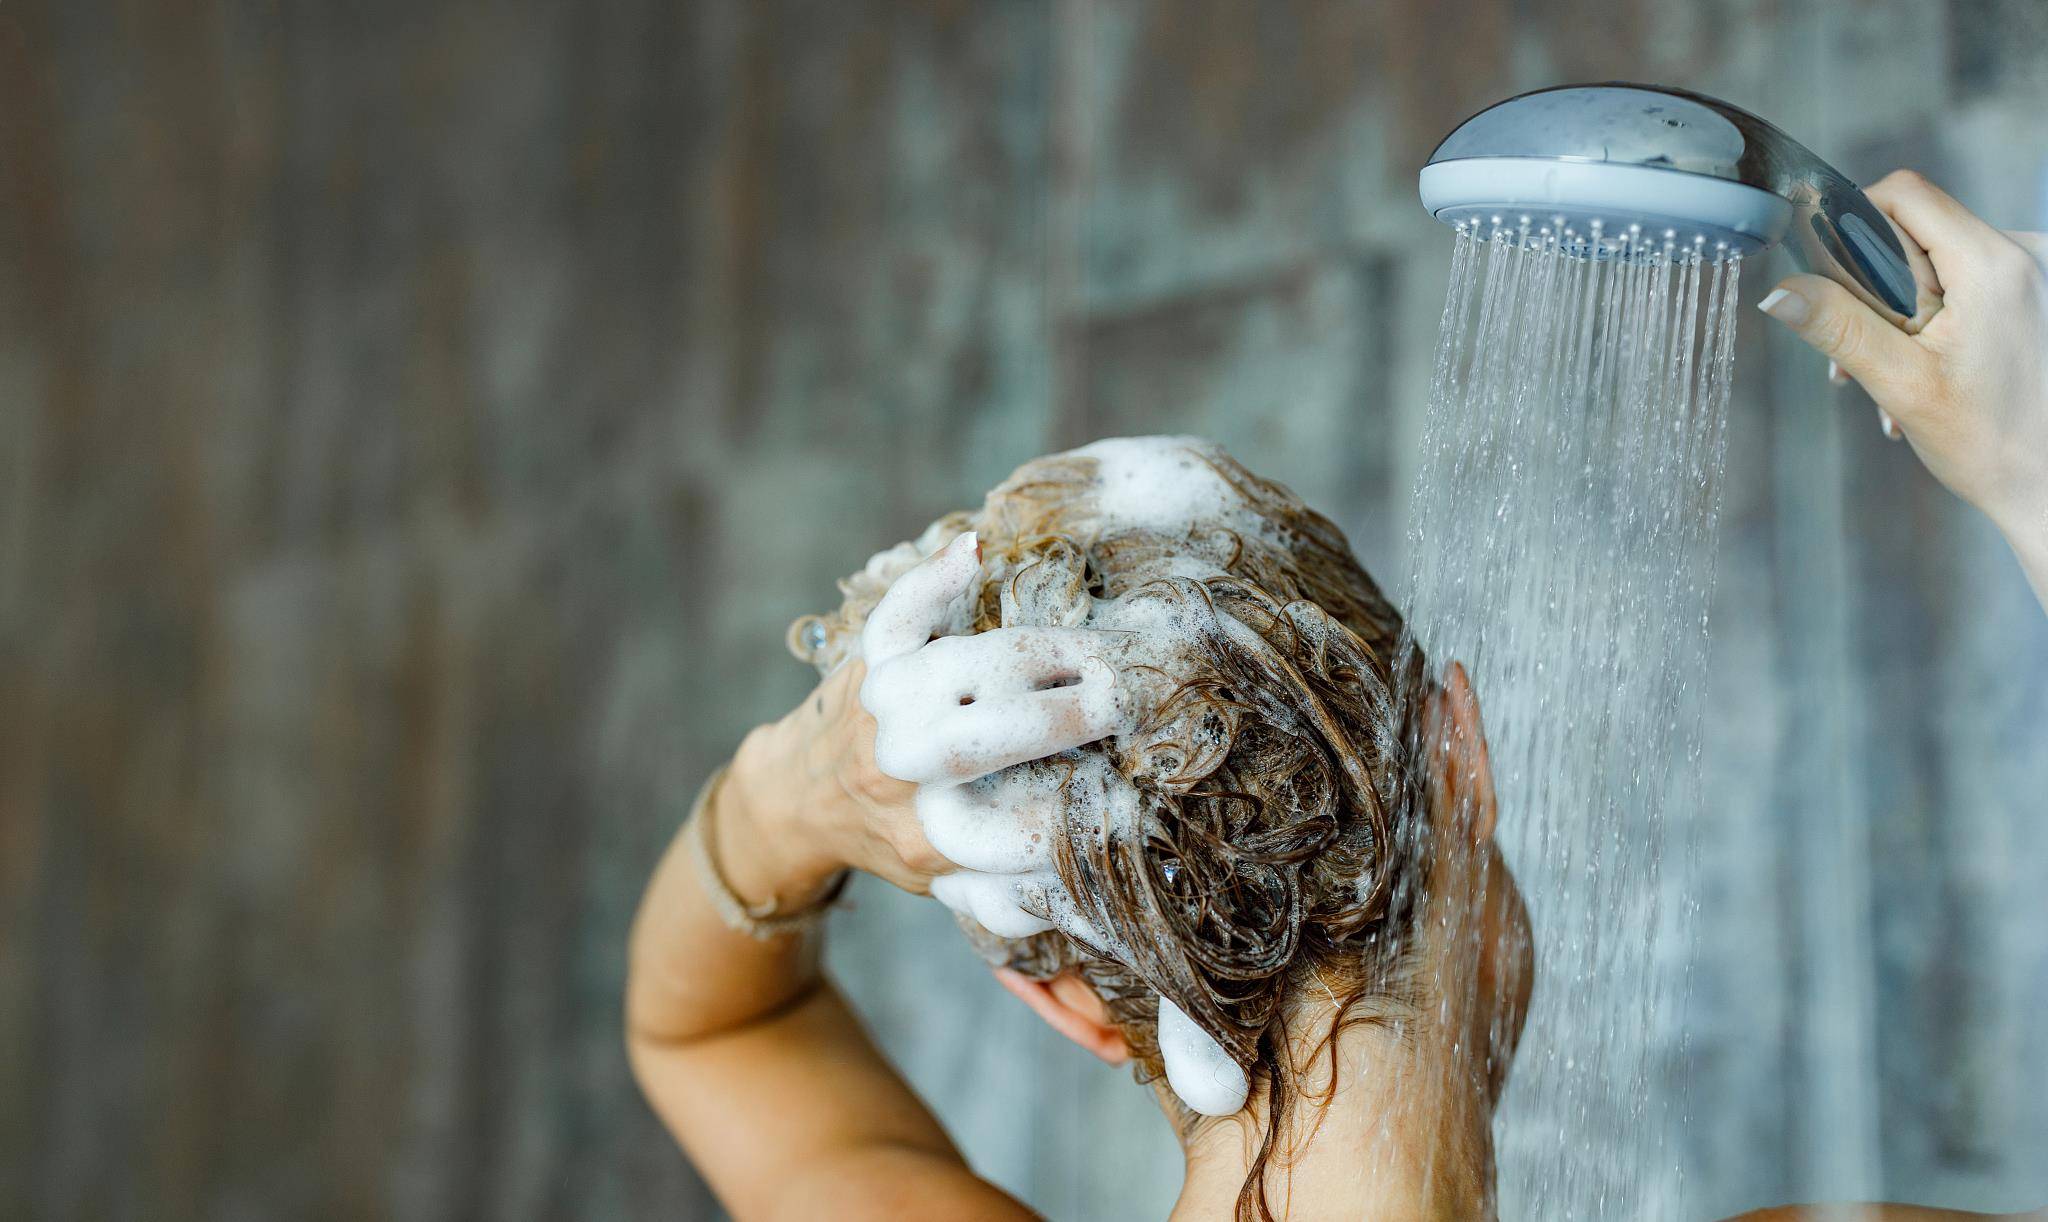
x,y
1262,833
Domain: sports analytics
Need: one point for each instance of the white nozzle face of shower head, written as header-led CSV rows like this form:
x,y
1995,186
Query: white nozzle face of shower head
x,y
1684,208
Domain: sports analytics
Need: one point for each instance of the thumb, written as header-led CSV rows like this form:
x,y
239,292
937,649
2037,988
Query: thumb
x,y
1889,364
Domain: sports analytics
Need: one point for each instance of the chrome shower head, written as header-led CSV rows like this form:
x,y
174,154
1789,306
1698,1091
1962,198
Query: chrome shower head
x,y
1614,159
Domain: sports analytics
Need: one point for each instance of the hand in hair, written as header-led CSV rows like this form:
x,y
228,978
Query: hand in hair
x,y
956,708
835,784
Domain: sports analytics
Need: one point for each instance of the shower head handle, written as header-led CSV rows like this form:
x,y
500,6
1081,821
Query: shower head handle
x,y
1845,237
1619,141
1836,231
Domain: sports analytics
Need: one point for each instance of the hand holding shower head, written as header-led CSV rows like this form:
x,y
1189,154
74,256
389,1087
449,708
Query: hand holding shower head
x,y
1603,158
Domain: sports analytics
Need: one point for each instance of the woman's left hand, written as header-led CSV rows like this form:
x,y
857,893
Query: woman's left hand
x,y
1970,389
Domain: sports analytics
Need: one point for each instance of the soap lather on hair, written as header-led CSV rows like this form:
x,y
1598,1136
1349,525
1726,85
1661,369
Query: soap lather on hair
x,y
1150,702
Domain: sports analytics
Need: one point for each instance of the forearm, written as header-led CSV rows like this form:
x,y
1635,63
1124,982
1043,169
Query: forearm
x,y
797,1115
689,976
750,1059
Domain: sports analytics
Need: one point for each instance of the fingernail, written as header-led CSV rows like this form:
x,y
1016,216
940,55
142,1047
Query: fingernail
x,y
1836,376
1786,306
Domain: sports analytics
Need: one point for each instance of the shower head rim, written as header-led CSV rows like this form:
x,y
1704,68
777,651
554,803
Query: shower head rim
x,y
1714,213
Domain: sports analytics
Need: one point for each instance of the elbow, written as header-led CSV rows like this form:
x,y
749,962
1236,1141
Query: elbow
x,y
642,1054
648,1024
640,1046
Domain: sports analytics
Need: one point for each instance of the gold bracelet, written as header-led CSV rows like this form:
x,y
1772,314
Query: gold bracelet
x,y
765,920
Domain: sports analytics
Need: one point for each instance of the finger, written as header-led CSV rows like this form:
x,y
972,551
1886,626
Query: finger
x,y
1197,1067
997,824
992,900
1950,233
1835,375
920,601
1006,822
1042,894
1001,662
962,742
1927,290
1891,366
1102,1041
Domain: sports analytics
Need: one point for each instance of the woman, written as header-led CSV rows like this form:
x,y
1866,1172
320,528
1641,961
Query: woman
x,y
1232,869
1389,983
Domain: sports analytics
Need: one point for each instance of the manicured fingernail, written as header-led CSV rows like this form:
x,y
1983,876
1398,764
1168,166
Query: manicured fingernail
x,y
1786,306
1836,376
1889,425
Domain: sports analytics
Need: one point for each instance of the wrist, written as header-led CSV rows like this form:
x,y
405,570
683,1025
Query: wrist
x,y
764,850
2025,527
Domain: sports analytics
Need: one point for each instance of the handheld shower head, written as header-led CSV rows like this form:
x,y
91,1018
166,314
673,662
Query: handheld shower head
x,y
1599,161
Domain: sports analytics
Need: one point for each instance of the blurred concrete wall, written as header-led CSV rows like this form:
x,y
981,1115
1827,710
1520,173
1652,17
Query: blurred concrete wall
x,y
418,423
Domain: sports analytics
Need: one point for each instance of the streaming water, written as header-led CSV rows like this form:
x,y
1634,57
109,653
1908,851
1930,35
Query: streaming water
x,y
1561,547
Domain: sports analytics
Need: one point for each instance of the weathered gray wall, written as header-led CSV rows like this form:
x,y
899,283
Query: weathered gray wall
x,y
418,422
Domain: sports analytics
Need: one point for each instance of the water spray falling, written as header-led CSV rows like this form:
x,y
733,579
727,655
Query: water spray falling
x,y
1561,547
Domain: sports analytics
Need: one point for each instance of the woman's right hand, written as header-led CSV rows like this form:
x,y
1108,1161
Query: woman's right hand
x,y
835,784
1970,390
803,800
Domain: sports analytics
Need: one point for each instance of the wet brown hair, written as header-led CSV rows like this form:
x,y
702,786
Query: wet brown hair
x,y
1278,852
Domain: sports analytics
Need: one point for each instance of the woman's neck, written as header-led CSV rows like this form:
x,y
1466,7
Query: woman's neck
x,y
1406,1134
